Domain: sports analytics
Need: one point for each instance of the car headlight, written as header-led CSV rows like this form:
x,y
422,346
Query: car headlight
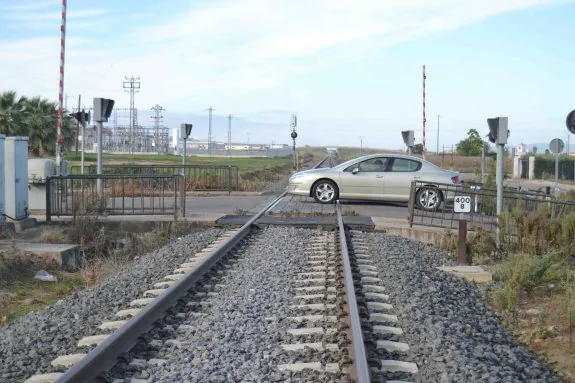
x,y
296,176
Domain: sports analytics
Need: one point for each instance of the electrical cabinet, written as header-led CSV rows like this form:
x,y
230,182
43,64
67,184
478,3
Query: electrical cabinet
x,y
16,177
39,169
2,218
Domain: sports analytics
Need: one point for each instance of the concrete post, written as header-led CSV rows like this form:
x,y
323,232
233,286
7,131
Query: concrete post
x,y
516,167
531,168
499,177
99,165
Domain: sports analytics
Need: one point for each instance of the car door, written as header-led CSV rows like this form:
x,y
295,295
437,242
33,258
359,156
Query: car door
x,y
401,171
367,183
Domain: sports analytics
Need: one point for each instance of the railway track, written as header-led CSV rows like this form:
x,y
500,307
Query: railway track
x,y
340,324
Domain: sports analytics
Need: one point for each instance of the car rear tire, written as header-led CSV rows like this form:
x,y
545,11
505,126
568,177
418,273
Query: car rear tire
x,y
428,198
325,191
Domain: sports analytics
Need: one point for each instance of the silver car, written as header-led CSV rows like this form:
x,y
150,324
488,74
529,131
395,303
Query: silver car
x,y
381,177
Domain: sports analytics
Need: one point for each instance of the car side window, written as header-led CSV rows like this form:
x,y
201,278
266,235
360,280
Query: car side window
x,y
372,165
405,165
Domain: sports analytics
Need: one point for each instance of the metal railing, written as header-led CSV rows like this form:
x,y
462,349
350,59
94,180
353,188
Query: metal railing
x,y
198,177
74,195
483,205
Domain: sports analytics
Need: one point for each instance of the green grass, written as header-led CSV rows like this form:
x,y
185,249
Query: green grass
x,y
27,294
243,164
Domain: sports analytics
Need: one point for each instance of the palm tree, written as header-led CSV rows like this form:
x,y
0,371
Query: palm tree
x,y
36,118
11,113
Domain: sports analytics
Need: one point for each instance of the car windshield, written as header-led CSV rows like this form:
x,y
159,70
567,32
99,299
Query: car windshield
x,y
347,163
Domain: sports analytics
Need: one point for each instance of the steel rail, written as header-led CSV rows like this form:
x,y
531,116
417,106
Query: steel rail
x,y
321,162
105,356
360,369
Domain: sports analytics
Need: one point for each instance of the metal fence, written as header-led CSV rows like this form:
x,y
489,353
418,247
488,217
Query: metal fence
x,y
75,195
198,177
483,205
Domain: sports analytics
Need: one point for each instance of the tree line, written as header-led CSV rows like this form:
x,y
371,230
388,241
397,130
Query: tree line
x,y
35,118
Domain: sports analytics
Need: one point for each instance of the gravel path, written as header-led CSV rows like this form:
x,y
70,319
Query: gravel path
x,y
235,342
33,341
454,336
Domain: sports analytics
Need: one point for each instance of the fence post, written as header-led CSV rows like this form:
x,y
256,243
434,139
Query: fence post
x,y
411,204
462,243
229,179
48,199
183,191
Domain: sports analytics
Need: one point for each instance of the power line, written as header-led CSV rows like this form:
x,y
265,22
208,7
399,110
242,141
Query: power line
x,y
132,86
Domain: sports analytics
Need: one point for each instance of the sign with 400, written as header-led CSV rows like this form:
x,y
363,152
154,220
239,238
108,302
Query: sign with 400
x,y
462,204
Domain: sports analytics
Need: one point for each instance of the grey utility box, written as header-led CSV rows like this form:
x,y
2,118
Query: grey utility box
x,y
2,218
38,170
16,177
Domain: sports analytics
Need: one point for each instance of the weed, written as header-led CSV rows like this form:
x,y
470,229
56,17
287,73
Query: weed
x,y
567,303
16,264
53,235
448,242
238,211
481,246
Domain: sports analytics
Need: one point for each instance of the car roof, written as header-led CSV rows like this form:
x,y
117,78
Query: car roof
x,y
397,155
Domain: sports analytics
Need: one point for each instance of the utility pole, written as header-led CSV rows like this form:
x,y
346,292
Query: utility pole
x,y
61,89
78,126
157,117
66,97
361,146
230,134
482,161
132,86
438,134
293,124
210,131
424,119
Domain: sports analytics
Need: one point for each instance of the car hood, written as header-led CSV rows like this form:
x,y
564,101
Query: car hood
x,y
313,171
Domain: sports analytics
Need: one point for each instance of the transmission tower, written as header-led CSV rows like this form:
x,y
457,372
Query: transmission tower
x,y
157,117
210,131
230,134
132,86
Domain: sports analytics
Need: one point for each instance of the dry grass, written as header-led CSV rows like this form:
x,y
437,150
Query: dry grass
x,y
14,264
107,257
20,293
54,235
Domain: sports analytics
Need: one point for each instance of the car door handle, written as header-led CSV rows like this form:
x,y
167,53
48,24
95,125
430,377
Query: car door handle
x,y
378,176
416,177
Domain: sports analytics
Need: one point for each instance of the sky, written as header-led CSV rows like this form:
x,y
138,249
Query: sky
x,y
349,69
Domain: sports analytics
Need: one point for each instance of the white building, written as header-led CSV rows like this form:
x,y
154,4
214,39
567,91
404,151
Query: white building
x,y
520,150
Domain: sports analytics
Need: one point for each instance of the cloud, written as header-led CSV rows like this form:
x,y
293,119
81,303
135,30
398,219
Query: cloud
x,y
239,55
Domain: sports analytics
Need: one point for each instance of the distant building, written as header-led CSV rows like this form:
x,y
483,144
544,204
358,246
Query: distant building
x,y
520,150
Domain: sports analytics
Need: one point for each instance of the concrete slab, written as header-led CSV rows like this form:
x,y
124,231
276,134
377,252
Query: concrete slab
x,y
66,256
355,222
401,228
471,273
20,226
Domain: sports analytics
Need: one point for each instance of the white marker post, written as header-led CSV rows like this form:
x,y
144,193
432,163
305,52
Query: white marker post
x,y
462,205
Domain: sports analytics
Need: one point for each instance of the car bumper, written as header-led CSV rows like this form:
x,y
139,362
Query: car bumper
x,y
299,188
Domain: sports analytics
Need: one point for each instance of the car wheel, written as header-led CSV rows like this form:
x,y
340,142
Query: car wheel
x,y
325,191
429,198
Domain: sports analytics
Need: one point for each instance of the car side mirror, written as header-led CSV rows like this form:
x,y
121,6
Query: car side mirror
x,y
355,171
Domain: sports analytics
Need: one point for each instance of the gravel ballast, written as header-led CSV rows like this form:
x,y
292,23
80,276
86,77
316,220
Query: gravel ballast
x,y
454,336
236,341
29,344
